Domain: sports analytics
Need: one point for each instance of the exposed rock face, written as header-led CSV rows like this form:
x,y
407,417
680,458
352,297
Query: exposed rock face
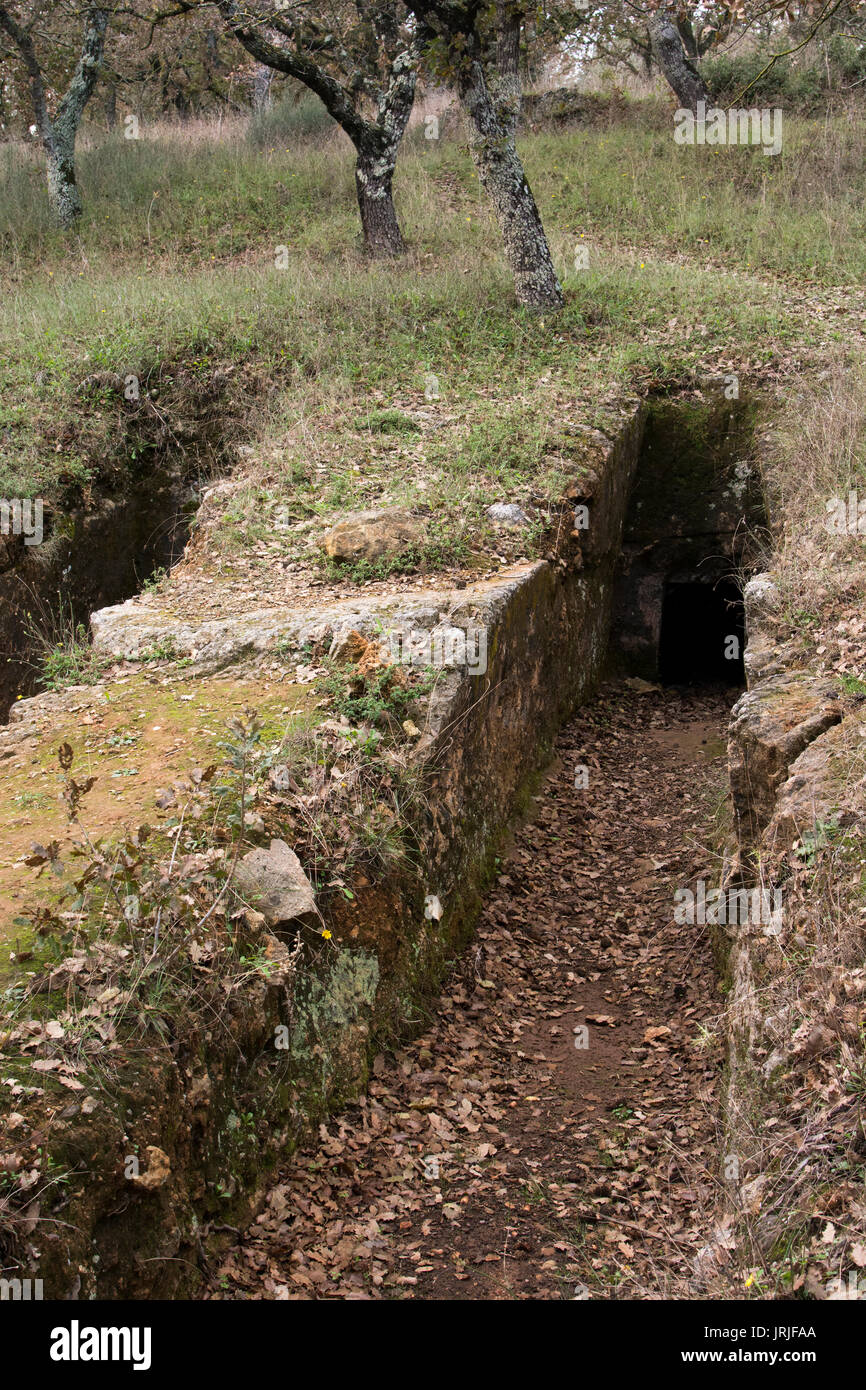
x,y
129,630
771,726
274,882
812,794
763,655
373,535
794,742
408,625
761,597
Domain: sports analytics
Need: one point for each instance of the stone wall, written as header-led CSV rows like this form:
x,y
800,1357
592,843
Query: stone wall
x,y
797,986
695,506
212,1112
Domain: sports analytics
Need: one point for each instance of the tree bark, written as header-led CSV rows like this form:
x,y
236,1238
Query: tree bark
x,y
376,141
681,74
381,229
59,134
502,176
377,158
63,194
60,142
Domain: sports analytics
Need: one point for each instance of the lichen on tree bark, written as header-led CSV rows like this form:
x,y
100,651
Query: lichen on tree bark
x,y
58,133
681,74
502,176
487,78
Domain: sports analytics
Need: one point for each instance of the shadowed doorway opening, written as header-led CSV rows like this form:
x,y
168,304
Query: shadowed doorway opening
x,y
702,633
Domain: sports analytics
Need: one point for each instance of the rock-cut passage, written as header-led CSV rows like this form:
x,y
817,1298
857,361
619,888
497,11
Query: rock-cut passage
x,y
551,1132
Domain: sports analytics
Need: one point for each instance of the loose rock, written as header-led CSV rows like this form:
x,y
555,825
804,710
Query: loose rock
x,y
274,882
374,534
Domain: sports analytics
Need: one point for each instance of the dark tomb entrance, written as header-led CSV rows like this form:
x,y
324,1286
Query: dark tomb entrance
x,y
702,635
695,530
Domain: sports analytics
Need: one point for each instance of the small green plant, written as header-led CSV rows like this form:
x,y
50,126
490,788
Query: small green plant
x,y
62,653
239,752
388,422
123,738
366,741
379,698
813,841
68,663
155,580
164,649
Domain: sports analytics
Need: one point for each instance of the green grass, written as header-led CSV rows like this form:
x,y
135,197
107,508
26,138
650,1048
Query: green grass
x,y
296,116
188,200
234,195
799,213
376,330
172,278
388,422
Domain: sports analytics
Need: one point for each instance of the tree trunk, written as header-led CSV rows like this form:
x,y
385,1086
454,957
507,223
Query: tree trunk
x,y
682,75
376,144
686,31
501,173
63,194
374,174
262,78
59,135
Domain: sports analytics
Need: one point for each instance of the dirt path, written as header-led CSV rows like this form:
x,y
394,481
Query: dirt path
x,y
494,1158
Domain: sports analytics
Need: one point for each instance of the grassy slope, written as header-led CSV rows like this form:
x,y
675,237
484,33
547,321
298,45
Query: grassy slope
x,y
173,278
